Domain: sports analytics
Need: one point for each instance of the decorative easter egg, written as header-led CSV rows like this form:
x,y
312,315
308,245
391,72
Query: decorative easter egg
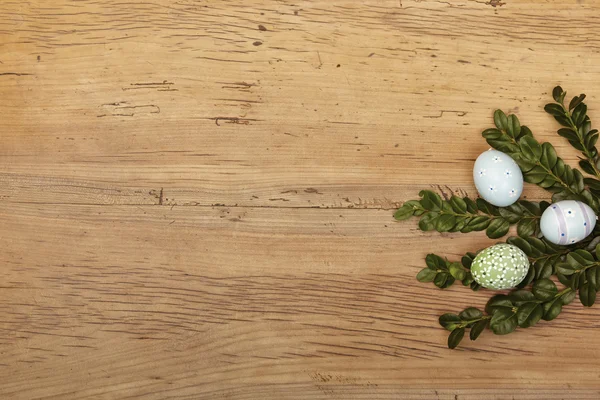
x,y
567,222
502,266
498,178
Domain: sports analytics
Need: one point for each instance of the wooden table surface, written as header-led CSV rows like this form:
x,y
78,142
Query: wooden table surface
x,y
196,197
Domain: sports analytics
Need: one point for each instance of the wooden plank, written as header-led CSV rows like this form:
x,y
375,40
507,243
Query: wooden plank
x,y
116,118
196,197
272,302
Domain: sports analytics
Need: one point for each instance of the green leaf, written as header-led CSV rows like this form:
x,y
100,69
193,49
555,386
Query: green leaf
x,y
492,133
498,302
530,207
554,109
521,243
435,262
528,278
447,208
468,280
590,275
470,313
563,279
513,127
548,182
477,329
445,222
558,94
427,221
467,260
530,148
497,228
565,268
527,227
449,321
504,321
449,282
537,244
500,120
430,200
568,297
576,100
458,204
580,258
503,145
471,205
512,213
563,120
455,337
477,224
549,157
598,251
587,294
568,176
525,164
525,131
460,224
536,175
457,271
560,167
440,280
407,210
519,297
426,275
579,114
578,184
529,314
591,139
486,207
544,289
552,309
577,280
587,167
544,268
569,134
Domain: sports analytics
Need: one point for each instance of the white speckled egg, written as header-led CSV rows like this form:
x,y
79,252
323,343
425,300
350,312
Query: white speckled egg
x,y
498,178
502,266
567,222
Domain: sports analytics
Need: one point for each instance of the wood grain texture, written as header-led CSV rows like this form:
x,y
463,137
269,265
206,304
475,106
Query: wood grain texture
x,y
196,196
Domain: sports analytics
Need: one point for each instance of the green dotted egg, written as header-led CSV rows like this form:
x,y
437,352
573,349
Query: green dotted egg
x,y
502,266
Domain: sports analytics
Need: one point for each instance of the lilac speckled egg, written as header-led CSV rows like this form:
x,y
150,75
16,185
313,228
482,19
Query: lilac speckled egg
x,y
498,178
567,222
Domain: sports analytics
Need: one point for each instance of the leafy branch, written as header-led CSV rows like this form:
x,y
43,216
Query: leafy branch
x,y
504,313
538,162
444,273
577,128
465,215
543,257
580,272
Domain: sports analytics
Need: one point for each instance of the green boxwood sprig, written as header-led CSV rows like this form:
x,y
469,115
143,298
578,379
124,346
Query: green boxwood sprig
x,y
504,313
538,162
577,128
543,257
465,215
444,273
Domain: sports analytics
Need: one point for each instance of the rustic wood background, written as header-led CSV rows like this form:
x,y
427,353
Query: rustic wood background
x,y
196,197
